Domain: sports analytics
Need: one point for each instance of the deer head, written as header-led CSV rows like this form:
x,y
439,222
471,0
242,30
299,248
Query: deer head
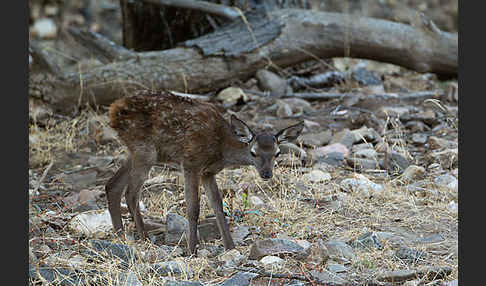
x,y
262,149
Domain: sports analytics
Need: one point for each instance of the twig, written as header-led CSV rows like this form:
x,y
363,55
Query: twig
x,y
43,176
230,13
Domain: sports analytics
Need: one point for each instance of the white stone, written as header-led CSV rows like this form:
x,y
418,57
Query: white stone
x,y
45,28
95,223
272,261
316,176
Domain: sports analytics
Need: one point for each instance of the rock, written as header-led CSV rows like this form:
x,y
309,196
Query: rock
x,y
410,255
171,268
394,111
365,134
321,152
239,233
100,161
176,227
416,126
311,125
208,230
333,159
127,279
323,252
452,283
277,246
369,153
336,268
412,283
366,77
345,137
419,138
269,81
291,148
413,172
362,185
283,109
439,143
434,238
109,249
316,139
316,176
32,257
362,164
81,179
231,96
396,162
65,258
44,28
327,277
231,258
101,131
239,279
340,251
452,206
448,181
182,283
273,262
96,223
369,240
289,160
256,202
57,276
448,158
403,275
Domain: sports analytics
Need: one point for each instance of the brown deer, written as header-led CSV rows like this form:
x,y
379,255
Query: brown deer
x,y
160,127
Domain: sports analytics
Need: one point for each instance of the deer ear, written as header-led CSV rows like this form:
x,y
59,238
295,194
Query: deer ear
x,y
241,130
290,133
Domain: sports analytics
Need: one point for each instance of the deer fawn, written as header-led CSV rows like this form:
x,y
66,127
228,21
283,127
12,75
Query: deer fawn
x,y
159,127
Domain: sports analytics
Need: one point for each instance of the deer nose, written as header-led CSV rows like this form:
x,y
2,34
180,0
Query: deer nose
x,y
266,175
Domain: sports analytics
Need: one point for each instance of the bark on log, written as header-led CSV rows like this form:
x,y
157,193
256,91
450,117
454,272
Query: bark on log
x,y
305,35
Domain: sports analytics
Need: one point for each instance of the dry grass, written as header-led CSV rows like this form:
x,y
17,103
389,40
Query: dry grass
x,y
289,212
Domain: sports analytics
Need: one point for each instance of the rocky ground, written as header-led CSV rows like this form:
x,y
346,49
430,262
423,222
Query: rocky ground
x,y
368,195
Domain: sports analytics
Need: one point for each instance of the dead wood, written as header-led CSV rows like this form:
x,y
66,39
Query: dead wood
x,y
304,35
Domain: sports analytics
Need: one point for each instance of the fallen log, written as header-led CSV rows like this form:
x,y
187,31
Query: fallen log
x,y
304,35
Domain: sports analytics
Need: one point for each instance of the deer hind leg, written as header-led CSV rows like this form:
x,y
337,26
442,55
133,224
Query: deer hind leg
x,y
216,203
142,161
114,191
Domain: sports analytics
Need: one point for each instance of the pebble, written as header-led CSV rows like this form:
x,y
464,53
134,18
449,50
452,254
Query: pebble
x,y
316,176
231,96
44,28
231,258
95,223
271,261
277,246
413,172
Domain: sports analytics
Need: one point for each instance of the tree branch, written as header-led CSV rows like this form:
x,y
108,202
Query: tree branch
x,y
305,35
230,13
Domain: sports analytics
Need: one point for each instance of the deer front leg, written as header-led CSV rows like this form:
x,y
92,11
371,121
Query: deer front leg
x,y
191,193
211,187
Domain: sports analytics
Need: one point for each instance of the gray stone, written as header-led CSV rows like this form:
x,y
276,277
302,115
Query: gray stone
x,y
336,268
366,77
410,255
239,279
327,277
447,181
396,162
316,139
271,261
283,109
128,279
439,143
316,176
362,185
176,228
369,240
345,137
403,275
109,249
368,153
277,246
269,81
182,283
81,179
57,276
448,158
362,164
321,152
333,159
419,138
239,233
231,258
413,172
366,134
340,251
170,268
